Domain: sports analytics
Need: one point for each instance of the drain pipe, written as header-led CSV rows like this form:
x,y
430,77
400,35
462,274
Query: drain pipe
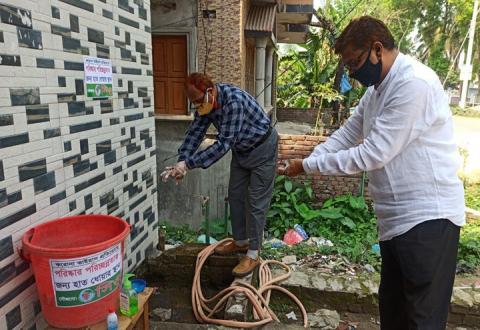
x,y
362,184
225,223
206,211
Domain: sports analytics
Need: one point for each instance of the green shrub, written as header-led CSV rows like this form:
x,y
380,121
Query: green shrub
x,y
467,112
472,195
181,233
217,228
346,220
469,248
289,206
185,234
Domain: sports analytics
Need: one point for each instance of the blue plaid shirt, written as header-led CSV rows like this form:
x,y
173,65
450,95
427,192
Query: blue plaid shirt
x,y
239,120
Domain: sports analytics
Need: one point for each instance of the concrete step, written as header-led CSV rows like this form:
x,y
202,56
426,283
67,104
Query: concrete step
x,y
173,271
189,326
176,267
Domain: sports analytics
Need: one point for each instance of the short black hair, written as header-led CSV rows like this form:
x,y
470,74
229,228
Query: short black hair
x,y
362,32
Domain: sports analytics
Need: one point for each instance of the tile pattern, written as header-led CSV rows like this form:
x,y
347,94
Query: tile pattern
x,y
62,153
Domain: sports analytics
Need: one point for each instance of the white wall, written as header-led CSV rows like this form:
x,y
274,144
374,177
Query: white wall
x,y
51,167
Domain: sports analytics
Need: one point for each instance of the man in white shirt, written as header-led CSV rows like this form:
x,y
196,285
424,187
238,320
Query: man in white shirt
x,y
401,133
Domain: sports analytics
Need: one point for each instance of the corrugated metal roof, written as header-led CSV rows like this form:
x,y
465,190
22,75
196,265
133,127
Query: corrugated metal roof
x,y
261,18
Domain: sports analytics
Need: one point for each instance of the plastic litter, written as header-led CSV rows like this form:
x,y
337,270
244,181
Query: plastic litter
x,y
202,239
299,229
369,268
319,241
291,316
345,84
275,243
292,237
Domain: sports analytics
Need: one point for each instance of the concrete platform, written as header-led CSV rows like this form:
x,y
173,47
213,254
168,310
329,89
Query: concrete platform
x,y
172,272
186,326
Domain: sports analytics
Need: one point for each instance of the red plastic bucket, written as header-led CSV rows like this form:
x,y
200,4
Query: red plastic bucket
x,y
77,262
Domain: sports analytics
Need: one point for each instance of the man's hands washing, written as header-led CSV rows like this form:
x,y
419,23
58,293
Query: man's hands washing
x,y
177,172
290,167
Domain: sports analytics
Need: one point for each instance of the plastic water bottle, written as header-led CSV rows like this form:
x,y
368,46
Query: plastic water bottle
x,y
112,320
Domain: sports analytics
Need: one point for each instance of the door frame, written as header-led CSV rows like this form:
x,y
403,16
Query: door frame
x,y
192,63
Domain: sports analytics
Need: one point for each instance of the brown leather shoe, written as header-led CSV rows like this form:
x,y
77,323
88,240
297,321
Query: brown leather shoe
x,y
229,248
245,266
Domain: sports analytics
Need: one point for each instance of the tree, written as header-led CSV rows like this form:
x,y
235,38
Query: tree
x,y
302,74
431,30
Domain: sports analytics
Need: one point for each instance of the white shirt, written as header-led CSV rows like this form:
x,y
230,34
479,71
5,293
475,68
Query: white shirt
x,y
408,150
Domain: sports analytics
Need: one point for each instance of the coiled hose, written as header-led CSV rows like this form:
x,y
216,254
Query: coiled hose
x,y
259,298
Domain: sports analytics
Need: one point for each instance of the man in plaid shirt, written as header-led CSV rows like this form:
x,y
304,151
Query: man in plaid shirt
x,y
244,127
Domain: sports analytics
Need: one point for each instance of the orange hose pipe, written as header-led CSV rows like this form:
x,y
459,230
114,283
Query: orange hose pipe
x,y
258,297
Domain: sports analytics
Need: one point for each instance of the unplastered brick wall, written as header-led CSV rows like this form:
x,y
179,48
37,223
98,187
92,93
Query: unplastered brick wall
x,y
62,153
224,36
324,186
297,115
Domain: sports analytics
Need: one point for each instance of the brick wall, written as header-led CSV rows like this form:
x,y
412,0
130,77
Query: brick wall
x,y
325,186
308,116
225,40
62,153
297,115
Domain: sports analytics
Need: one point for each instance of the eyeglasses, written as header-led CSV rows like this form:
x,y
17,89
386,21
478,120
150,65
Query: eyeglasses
x,y
354,64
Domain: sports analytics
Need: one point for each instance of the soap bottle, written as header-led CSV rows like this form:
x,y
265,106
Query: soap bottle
x,y
128,297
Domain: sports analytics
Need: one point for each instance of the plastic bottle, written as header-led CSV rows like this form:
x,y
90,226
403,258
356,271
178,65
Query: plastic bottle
x,y
128,297
112,320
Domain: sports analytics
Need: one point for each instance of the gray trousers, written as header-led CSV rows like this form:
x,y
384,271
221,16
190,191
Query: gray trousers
x,y
252,177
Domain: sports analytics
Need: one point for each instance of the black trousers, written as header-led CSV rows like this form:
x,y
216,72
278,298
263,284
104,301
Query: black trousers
x,y
418,270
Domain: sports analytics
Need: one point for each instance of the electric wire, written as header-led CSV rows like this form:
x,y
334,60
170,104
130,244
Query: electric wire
x,y
349,12
206,46
229,3
455,60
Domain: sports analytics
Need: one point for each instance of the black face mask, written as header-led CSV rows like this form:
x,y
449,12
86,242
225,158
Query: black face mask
x,y
368,74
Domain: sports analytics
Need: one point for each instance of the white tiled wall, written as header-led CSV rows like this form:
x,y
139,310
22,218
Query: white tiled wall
x,y
35,127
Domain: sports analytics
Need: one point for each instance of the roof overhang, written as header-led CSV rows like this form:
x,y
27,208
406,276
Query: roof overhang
x,y
292,20
261,21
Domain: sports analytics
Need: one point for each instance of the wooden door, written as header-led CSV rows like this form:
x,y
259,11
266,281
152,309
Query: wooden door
x,y
169,72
